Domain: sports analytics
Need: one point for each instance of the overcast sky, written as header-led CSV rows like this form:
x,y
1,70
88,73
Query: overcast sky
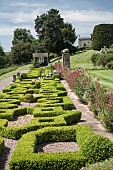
x,y
82,14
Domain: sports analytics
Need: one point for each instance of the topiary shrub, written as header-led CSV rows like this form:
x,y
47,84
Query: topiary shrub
x,y
55,76
97,148
23,75
37,84
29,98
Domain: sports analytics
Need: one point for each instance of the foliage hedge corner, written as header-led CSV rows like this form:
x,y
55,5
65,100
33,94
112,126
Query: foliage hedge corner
x,y
25,155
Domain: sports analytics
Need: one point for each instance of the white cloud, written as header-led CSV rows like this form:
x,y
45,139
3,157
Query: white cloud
x,y
88,16
23,4
19,17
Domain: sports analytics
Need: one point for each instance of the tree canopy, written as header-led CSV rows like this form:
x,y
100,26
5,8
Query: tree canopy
x,y
22,46
54,35
2,53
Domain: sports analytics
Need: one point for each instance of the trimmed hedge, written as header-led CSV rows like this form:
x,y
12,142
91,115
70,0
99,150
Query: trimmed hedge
x,y
67,118
16,132
10,113
4,105
47,111
1,144
3,122
67,103
103,148
24,156
94,147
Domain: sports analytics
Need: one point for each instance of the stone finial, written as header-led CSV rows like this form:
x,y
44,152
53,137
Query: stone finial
x,y
66,50
66,58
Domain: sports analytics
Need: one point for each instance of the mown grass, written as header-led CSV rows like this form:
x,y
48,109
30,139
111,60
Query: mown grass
x,y
26,67
82,59
6,70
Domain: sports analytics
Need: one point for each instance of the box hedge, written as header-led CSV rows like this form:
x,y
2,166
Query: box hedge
x,y
15,132
94,147
25,157
1,144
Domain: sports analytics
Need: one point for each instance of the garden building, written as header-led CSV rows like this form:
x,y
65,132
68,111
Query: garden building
x,y
40,59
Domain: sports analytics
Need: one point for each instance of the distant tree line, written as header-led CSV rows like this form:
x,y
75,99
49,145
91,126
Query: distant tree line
x,y
53,35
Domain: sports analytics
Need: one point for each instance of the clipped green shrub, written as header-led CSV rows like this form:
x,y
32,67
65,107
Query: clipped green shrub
x,y
3,122
24,76
60,87
7,105
29,98
72,116
47,111
97,148
54,76
62,93
68,104
1,144
37,84
25,156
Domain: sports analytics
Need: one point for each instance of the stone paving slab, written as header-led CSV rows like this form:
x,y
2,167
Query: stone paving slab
x,y
87,115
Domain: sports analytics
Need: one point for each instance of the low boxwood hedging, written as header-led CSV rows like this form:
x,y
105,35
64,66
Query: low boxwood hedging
x,y
3,122
16,132
47,111
24,156
67,118
1,144
11,101
67,103
94,147
103,148
10,113
4,105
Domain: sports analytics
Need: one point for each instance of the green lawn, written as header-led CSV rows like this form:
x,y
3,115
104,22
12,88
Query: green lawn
x,y
82,59
26,67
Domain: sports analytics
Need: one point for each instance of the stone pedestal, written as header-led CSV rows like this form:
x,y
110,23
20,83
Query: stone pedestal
x,y
66,58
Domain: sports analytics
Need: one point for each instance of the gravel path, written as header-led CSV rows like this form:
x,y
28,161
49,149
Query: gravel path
x,y
20,120
57,147
7,81
6,154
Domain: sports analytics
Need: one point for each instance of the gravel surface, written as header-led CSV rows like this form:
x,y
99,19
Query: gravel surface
x,y
20,120
57,147
6,154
